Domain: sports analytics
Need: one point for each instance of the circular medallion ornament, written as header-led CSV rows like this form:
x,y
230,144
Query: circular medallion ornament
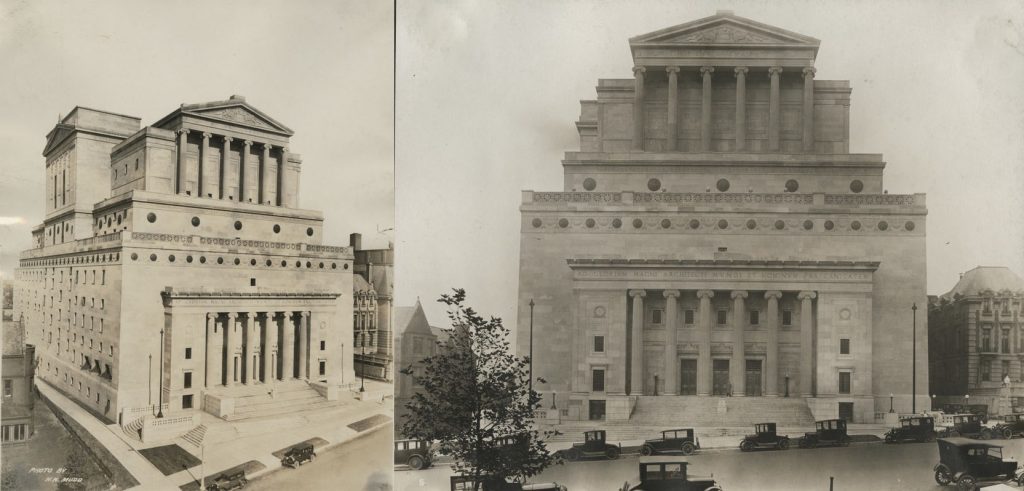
x,y
589,184
202,259
617,223
792,185
654,184
855,225
152,257
309,231
195,221
694,224
599,311
808,224
751,224
237,261
666,223
220,260
590,223
856,186
883,225
723,224
638,223
779,224
252,262
536,223
722,185
845,314
238,225
562,222
171,258
269,263
135,256
829,225
909,226
188,259
151,217
277,229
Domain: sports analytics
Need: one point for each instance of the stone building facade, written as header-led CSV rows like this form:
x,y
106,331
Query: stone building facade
x,y
716,237
18,370
975,341
415,340
176,256
372,316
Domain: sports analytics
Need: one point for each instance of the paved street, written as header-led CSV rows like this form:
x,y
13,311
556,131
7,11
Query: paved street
x,y
362,464
872,466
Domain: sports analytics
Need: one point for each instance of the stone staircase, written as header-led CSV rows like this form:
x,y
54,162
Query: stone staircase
x,y
195,435
722,411
287,397
134,429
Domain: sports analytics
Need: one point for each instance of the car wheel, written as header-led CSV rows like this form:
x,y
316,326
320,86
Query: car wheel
x,y
930,437
688,448
802,443
746,445
784,444
1020,480
713,488
1007,433
646,451
942,477
890,439
966,482
572,455
416,462
612,453
986,434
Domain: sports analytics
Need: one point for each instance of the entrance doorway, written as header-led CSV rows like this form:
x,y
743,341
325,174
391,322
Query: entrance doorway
x,y
846,411
720,378
596,410
688,377
753,378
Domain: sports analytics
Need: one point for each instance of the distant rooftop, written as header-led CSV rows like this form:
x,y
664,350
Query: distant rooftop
x,y
986,278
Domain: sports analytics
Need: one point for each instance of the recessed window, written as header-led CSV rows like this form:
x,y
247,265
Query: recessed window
x,y
656,316
755,317
252,281
787,317
186,401
844,382
323,345
723,316
598,344
844,346
597,380
187,383
188,353
688,316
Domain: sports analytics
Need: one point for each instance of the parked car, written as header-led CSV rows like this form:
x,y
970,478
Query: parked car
x,y
968,425
979,409
829,432
593,445
912,428
670,475
966,463
764,437
227,481
417,454
298,455
468,483
681,440
1010,426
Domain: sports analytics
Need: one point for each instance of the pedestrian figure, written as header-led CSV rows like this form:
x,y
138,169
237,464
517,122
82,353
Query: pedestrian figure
x,y
1006,380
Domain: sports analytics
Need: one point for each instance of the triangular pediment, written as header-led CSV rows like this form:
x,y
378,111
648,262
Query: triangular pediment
x,y
724,29
57,136
239,113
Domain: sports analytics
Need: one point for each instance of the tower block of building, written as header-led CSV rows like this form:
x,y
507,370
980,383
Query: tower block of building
x,y
176,258
716,238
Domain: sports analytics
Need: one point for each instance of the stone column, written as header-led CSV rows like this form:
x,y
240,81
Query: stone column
x,y
264,182
250,323
304,346
673,108
287,357
636,365
282,180
771,359
243,194
273,351
704,359
806,343
808,117
268,369
225,159
739,325
671,355
229,360
182,167
211,348
741,107
705,109
638,108
314,347
773,108
204,151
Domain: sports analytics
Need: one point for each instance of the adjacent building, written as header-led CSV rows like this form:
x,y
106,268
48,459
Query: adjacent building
x,y
17,372
715,237
976,343
175,265
415,340
373,284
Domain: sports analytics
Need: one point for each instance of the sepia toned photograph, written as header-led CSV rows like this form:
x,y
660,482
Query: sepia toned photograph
x,y
197,251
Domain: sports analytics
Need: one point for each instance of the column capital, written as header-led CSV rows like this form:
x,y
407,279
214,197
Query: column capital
x,y
284,150
806,295
770,294
810,71
706,70
247,143
206,136
304,314
671,293
211,316
232,315
671,69
639,70
740,70
738,294
705,294
638,293
183,131
228,139
267,146
774,70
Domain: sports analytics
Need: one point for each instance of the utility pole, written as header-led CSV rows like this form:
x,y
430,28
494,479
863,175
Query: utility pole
x,y
913,377
531,348
160,394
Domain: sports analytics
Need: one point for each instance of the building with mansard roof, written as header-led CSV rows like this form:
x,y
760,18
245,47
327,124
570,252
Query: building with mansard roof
x,y
717,254
372,304
175,265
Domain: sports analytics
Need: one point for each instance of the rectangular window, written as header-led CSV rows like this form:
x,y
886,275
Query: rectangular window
x,y
188,380
186,401
8,387
656,316
688,316
986,370
598,344
755,317
787,317
323,367
188,353
844,346
1006,369
597,376
844,382
323,345
723,317
252,281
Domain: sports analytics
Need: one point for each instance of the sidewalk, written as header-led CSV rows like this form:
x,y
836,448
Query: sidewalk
x,y
230,444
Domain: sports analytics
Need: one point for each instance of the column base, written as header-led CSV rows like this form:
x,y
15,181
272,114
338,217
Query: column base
x,y
739,395
670,394
703,394
771,395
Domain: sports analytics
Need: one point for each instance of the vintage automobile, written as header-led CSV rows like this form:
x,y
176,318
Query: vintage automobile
x,y
669,475
1009,426
912,428
979,409
967,462
417,454
227,481
828,432
468,483
298,455
593,445
968,425
681,440
764,437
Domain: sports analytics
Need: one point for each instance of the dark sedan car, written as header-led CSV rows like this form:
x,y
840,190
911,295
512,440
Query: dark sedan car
x,y
681,440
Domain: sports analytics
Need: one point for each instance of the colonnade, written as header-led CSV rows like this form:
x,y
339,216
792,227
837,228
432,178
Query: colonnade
x,y
259,347
271,179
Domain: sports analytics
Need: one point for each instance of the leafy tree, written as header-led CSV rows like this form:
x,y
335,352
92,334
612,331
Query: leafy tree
x,y
475,401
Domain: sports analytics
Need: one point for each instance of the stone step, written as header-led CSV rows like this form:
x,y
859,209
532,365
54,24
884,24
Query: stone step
x,y
280,409
195,435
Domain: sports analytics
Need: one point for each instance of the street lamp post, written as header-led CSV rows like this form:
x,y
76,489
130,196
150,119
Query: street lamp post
x,y
362,366
160,394
913,350
531,349
933,402
787,384
554,395
890,403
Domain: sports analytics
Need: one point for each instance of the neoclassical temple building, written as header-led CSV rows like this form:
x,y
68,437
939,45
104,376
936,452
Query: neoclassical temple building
x,y
174,265
717,254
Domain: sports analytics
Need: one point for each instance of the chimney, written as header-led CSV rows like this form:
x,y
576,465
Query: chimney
x,y
355,241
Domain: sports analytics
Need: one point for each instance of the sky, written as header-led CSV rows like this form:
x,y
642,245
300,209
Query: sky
x,y
322,68
488,93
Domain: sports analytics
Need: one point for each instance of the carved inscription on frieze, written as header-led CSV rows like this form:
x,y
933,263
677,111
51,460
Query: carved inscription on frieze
x,y
669,274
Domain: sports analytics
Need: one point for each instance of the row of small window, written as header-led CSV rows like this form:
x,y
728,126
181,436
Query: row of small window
x,y
78,300
196,221
108,220
81,342
70,380
363,320
991,306
985,370
89,278
723,224
597,379
987,346
92,322
15,433
362,339
722,317
220,260
723,185
844,345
